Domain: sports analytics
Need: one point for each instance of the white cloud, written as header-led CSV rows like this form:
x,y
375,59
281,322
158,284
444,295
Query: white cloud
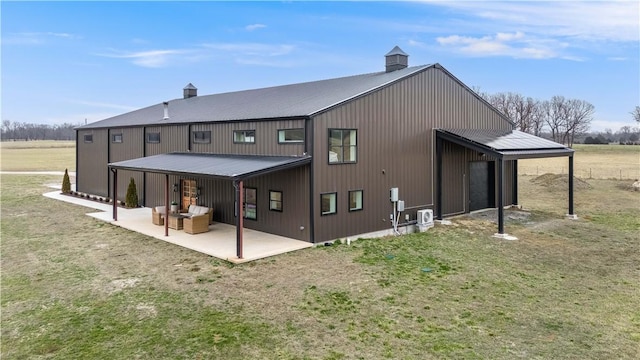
x,y
253,27
579,20
517,45
35,38
150,58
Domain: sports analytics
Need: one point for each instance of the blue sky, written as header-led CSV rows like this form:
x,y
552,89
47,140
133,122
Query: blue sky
x,y
71,61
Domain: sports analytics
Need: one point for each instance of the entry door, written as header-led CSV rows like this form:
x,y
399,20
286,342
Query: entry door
x,y
481,185
189,193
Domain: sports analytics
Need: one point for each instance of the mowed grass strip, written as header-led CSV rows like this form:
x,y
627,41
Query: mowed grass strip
x,y
590,162
74,287
38,155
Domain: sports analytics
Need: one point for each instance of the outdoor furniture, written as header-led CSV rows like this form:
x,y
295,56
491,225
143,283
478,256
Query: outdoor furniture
x,y
197,219
176,221
157,215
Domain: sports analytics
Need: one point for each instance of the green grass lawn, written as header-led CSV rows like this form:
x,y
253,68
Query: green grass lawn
x,y
75,287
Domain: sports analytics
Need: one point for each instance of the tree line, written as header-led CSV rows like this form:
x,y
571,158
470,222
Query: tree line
x,y
564,119
26,131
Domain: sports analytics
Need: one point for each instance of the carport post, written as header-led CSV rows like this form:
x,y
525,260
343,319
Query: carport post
x,y
515,183
166,205
438,178
239,185
115,194
571,185
500,196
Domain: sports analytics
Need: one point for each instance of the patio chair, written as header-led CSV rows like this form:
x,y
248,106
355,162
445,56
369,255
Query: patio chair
x,y
197,224
157,215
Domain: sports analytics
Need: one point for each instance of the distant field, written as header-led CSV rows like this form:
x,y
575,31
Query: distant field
x,y
590,162
38,155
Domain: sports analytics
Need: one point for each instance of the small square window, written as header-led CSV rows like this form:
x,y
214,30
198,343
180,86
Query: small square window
x,y
202,137
275,200
116,138
88,138
328,203
287,136
244,136
355,200
153,137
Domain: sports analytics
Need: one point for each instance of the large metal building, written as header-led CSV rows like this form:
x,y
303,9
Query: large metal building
x,y
315,161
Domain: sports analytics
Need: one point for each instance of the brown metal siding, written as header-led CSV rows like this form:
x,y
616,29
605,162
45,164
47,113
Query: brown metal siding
x,y
131,147
395,149
92,177
266,139
172,138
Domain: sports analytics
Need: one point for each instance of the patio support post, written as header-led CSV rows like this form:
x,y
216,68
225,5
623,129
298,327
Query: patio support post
x,y
166,205
500,196
239,185
571,214
438,178
515,183
115,194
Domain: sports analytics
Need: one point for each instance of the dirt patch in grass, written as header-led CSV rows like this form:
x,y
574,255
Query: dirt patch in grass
x,y
560,181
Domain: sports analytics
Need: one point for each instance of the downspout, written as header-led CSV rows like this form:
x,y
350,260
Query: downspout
x,y
308,148
77,145
239,185
144,173
166,205
115,191
438,178
109,161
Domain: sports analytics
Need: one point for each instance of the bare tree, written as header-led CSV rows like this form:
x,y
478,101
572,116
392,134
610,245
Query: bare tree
x,y
555,114
578,120
636,114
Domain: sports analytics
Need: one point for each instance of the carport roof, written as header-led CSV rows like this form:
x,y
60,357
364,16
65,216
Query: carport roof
x,y
505,144
230,167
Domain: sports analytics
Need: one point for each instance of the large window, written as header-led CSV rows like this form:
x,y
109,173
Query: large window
x,y
328,203
244,136
202,137
153,137
275,200
88,138
287,136
250,208
342,146
355,200
116,138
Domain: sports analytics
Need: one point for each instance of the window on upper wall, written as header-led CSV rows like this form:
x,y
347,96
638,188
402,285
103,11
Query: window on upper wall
x,y
290,136
88,138
250,208
275,200
244,136
342,146
202,137
328,203
153,137
116,138
355,200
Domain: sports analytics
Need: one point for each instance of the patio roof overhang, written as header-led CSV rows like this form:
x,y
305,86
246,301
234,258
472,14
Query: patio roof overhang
x,y
220,166
236,168
501,145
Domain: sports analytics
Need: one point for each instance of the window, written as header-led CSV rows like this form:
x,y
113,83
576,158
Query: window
x,y
202,137
250,205
244,136
287,136
342,146
355,200
153,137
275,200
116,138
328,203
88,138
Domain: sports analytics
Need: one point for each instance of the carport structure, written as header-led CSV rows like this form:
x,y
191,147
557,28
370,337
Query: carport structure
x,y
235,168
502,146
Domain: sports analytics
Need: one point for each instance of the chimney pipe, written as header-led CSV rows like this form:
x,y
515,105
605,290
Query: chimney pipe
x,y
166,110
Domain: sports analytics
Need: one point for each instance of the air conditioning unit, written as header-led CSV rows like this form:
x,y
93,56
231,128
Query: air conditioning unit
x,y
425,217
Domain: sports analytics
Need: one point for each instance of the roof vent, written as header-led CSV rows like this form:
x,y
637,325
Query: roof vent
x,y
190,91
166,110
396,59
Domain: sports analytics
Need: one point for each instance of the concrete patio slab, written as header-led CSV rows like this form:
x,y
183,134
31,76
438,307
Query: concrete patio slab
x,y
219,242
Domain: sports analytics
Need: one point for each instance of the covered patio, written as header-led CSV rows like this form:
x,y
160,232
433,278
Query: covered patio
x,y
219,242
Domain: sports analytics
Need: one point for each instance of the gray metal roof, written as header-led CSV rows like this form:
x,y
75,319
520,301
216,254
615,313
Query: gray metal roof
x,y
296,100
509,144
231,167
